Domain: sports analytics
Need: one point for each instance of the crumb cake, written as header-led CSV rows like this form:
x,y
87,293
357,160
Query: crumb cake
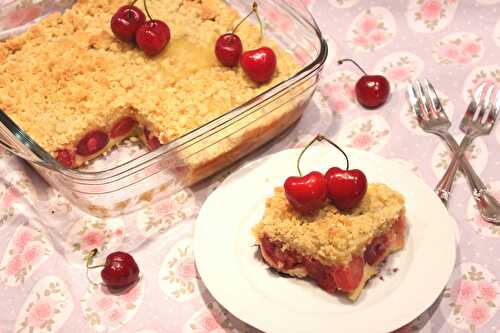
x,y
340,251
71,84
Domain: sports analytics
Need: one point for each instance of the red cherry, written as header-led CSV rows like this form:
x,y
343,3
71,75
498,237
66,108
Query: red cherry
x,y
120,270
123,126
308,193
347,278
346,188
152,141
377,249
371,90
228,49
152,37
91,143
259,64
126,21
66,158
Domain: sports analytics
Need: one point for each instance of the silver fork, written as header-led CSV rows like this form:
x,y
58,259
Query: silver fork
x,y
478,120
432,118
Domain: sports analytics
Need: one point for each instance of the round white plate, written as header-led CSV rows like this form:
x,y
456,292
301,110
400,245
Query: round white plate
x,y
227,262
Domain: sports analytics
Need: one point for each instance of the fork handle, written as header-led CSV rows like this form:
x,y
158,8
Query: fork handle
x,y
443,188
476,184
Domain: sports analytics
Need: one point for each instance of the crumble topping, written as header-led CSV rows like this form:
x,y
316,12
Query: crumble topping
x,y
69,74
331,236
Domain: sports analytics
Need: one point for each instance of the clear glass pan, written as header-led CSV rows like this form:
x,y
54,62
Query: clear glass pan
x,y
109,190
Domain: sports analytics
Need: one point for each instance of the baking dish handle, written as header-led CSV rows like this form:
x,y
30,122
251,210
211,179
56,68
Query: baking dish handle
x,y
24,156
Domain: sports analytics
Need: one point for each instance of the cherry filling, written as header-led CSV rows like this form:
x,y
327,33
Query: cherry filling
x,y
321,274
286,259
331,278
66,158
348,277
91,143
96,140
152,141
122,126
376,251
398,233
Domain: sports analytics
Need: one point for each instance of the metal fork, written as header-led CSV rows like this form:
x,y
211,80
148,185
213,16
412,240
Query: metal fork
x,y
478,120
432,118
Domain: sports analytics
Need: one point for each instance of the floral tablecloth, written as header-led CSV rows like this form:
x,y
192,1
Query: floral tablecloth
x,y
43,284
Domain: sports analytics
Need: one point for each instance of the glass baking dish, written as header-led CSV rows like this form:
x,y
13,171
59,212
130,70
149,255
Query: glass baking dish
x,y
107,189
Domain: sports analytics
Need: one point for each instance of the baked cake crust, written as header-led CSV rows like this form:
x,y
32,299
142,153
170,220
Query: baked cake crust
x,y
331,236
72,75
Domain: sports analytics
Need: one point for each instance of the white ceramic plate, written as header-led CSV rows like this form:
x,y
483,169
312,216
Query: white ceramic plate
x,y
227,262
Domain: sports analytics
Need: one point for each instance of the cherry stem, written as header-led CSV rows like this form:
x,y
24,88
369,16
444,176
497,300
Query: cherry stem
x,y
147,11
90,257
320,138
341,61
88,263
254,10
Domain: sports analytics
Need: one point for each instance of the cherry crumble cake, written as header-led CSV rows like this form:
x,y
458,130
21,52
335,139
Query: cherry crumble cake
x,y
339,250
77,90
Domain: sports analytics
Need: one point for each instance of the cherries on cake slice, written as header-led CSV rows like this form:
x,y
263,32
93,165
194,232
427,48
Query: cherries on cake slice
x,y
340,251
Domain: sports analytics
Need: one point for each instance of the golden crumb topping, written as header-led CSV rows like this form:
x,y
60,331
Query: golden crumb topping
x,y
331,236
72,75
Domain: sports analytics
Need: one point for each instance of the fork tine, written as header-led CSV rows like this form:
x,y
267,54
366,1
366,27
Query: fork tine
x,y
485,104
492,115
436,102
473,105
429,105
424,100
414,102
479,91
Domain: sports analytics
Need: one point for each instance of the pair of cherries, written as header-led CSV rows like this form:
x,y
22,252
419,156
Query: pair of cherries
x,y
258,64
129,25
119,271
344,188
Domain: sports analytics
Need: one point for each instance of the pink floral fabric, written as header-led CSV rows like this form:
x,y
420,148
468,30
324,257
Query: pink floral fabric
x,y
459,49
338,91
10,196
430,16
41,312
44,239
473,298
187,269
373,29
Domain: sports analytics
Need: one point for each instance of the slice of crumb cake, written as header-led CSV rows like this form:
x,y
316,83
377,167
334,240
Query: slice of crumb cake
x,y
340,251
